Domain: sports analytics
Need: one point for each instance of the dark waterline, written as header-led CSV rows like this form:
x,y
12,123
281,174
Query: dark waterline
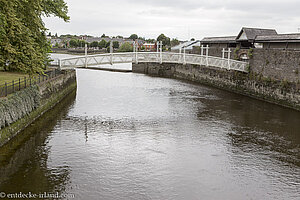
x,y
131,136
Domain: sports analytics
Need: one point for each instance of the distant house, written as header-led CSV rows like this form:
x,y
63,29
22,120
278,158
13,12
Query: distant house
x,y
56,41
149,46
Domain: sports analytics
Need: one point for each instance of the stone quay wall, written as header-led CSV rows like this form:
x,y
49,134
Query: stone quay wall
x,y
20,109
279,92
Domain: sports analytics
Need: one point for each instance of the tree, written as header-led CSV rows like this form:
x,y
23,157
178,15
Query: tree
x,y
23,43
74,43
126,47
150,40
102,44
133,36
107,44
165,40
116,44
104,36
81,43
174,42
94,44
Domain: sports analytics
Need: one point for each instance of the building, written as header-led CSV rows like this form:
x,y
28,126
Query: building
x,y
149,46
247,36
220,42
255,38
279,41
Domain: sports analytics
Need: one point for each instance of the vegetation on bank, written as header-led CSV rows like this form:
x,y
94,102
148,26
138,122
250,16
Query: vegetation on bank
x,y
23,43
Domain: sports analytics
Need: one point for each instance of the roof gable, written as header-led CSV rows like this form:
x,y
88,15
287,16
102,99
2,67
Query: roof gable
x,y
251,33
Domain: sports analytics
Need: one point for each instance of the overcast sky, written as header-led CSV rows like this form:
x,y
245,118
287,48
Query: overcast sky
x,y
182,19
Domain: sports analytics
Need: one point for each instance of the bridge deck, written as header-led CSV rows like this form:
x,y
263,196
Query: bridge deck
x,y
153,57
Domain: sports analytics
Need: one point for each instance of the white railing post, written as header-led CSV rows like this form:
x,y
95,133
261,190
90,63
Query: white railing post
x,y
223,56
161,59
133,50
207,54
111,52
184,58
229,51
136,54
59,64
223,53
85,53
201,53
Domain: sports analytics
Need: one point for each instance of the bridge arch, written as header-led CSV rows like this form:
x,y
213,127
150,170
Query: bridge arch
x,y
153,57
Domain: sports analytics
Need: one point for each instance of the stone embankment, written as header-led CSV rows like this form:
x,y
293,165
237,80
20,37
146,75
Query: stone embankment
x,y
280,92
20,109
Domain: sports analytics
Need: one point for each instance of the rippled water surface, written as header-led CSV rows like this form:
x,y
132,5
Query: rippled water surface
x,y
131,136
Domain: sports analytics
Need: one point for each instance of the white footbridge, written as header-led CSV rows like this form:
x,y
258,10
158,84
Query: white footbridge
x,y
153,57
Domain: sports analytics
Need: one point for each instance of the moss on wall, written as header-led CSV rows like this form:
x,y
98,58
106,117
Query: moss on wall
x,y
17,111
17,105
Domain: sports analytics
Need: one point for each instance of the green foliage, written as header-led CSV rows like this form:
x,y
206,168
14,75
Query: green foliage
x,y
150,40
116,44
248,68
133,36
102,44
73,43
23,43
18,105
174,42
284,84
250,53
94,44
165,40
107,44
126,47
235,53
104,36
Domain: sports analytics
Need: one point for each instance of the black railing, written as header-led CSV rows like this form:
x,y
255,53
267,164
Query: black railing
x,y
21,83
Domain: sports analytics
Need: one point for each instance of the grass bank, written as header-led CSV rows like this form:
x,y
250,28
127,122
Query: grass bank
x,y
10,76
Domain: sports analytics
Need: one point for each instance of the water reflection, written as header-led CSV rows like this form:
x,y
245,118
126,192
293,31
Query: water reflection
x,y
24,161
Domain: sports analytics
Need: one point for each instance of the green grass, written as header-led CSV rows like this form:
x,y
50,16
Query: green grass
x,y
10,76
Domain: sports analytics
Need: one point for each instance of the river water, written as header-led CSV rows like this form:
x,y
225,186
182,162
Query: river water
x,y
131,136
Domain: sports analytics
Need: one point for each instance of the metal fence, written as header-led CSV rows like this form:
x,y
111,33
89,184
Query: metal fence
x,y
21,83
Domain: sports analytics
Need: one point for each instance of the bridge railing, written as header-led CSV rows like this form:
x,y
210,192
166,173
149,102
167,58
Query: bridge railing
x,y
155,57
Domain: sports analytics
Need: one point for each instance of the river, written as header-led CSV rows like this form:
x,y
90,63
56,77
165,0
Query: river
x,y
132,136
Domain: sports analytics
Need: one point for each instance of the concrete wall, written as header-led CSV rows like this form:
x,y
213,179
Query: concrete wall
x,y
20,109
282,93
